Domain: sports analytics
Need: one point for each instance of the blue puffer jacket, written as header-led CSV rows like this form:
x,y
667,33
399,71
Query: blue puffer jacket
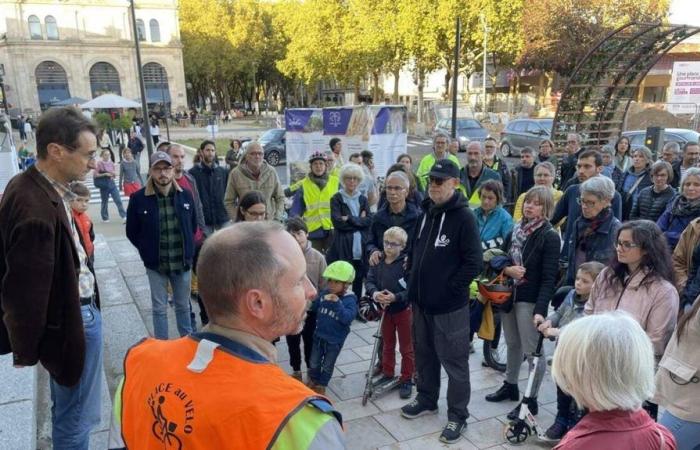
x,y
494,228
673,223
143,228
333,319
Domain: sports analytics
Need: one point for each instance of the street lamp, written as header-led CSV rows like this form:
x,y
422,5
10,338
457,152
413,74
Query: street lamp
x,y
146,129
162,96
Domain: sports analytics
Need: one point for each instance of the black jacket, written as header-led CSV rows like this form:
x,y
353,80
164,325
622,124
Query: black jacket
x,y
649,205
541,262
628,198
389,277
500,166
211,184
341,247
567,169
445,256
521,185
676,173
384,219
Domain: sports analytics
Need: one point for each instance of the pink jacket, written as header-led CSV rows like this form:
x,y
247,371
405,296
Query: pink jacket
x,y
616,430
654,306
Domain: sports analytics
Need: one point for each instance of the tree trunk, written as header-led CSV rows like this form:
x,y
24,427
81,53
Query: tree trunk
x,y
448,85
356,86
396,85
375,81
421,84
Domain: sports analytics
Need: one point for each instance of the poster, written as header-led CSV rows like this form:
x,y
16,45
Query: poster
x,y
684,95
388,137
304,135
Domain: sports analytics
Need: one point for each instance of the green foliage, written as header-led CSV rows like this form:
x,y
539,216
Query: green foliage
x,y
103,119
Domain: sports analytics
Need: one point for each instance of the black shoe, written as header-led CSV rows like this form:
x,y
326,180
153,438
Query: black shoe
x,y
417,409
452,432
405,389
531,404
556,431
506,392
383,380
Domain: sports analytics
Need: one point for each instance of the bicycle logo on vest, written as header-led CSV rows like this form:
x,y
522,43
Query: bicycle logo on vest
x,y
169,415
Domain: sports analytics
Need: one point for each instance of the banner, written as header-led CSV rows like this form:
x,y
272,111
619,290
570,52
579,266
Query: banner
x,y
388,136
350,124
303,136
685,88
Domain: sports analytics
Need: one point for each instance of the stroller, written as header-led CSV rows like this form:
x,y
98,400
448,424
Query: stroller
x,y
375,386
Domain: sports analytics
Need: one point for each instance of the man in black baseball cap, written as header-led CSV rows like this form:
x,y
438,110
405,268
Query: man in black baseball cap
x,y
445,258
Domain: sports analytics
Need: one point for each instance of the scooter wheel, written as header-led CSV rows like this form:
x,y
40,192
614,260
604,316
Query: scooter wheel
x,y
516,432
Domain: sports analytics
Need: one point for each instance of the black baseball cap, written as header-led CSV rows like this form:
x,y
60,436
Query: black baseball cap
x,y
444,169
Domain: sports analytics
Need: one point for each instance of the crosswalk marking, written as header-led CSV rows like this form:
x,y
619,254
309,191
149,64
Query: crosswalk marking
x,y
95,192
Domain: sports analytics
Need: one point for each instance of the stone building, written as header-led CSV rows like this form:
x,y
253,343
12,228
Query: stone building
x,y
52,50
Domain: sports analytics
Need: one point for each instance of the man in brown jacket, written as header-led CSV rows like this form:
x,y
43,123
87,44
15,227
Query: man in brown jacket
x,y
48,294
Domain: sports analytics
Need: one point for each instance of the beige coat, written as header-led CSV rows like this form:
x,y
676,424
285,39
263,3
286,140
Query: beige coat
x,y
683,254
654,306
678,377
240,182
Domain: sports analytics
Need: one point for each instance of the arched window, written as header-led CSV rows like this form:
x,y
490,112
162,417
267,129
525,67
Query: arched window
x,y
51,83
155,80
51,28
155,30
104,79
140,30
35,28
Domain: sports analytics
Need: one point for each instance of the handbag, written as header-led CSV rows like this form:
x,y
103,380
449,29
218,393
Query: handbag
x,y
498,291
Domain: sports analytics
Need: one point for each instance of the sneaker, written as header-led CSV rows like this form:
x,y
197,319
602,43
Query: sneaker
x,y
452,432
383,380
556,431
105,220
297,375
405,389
417,409
531,404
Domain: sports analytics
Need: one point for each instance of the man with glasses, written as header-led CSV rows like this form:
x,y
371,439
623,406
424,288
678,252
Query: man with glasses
x,y
49,302
161,222
440,143
444,259
493,162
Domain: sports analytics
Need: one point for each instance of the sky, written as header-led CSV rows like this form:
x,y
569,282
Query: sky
x,y
685,12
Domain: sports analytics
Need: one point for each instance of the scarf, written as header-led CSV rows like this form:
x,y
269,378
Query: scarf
x,y
684,207
591,225
319,181
521,231
248,171
353,202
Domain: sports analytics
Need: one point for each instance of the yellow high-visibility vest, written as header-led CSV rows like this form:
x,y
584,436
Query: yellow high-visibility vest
x,y
318,203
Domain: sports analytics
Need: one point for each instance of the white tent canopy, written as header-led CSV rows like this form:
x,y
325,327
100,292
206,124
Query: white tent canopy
x,y
108,101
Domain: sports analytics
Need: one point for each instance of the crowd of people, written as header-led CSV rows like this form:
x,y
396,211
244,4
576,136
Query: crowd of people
x,y
612,233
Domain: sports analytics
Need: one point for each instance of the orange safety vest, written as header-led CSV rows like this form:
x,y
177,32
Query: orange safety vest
x,y
238,401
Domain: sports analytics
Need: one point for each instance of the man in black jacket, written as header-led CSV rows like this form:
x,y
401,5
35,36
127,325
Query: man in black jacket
x,y
691,153
445,258
211,182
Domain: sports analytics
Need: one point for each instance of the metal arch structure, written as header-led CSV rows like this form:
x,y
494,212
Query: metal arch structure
x,y
595,101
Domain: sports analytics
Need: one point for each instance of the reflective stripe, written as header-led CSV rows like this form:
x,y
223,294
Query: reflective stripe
x,y
301,429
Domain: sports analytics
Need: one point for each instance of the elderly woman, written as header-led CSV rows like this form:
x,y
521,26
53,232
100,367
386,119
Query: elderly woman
x,y
594,232
682,209
677,386
610,170
533,250
639,280
607,365
546,153
622,158
351,220
544,176
414,196
495,224
652,200
636,178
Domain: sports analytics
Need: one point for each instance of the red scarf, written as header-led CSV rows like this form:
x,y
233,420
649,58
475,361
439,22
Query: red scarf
x,y
83,223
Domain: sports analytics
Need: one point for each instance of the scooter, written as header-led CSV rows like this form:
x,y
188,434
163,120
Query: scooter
x,y
517,431
376,386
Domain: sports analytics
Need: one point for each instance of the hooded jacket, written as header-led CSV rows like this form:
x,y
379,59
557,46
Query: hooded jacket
x,y
211,183
445,256
241,181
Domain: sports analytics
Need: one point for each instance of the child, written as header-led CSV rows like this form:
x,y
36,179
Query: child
x,y
570,310
385,284
82,220
315,265
129,177
335,309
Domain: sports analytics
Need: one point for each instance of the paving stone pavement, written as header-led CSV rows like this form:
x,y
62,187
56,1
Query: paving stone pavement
x,y
378,425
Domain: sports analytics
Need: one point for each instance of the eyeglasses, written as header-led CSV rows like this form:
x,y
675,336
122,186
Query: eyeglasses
x,y
351,179
436,181
162,169
626,245
91,155
392,244
586,203
394,188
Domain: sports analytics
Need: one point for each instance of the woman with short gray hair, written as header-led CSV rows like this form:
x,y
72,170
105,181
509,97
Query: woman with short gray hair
x,y
682,209
606,363
594,232
636,178
652,200
610,169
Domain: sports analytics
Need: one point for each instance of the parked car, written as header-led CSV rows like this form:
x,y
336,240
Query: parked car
x,y
521,133
679,135
274,147
467,130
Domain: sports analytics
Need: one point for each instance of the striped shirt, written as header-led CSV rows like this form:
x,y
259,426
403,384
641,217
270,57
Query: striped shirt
x,y
171,244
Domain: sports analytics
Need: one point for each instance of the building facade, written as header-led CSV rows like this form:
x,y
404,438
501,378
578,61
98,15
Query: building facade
x,y
52,50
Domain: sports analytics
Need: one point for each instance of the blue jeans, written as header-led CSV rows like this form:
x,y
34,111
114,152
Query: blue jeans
x,y
687,433
76,409
180,282
323,356
105,193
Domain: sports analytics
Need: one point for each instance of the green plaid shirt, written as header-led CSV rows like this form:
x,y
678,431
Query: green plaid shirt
x,y
171,245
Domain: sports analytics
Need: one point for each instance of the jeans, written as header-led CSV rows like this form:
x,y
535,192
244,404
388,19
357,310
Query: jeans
x,y
323,356
687,433
393,324
105,193
180,282
294,343
443,340
521,339
76,409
